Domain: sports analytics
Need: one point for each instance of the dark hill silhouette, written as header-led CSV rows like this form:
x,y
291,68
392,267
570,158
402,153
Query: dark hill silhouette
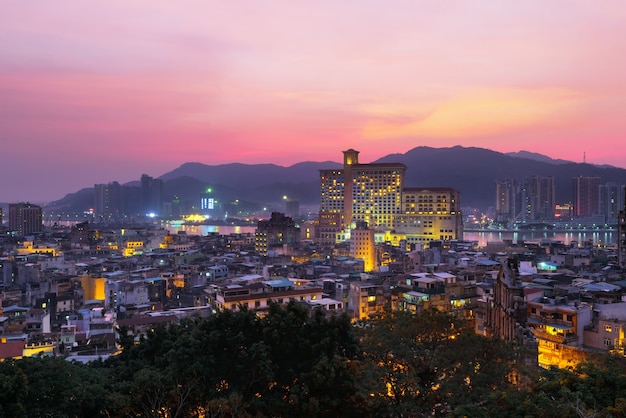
x,y
472,171
537,157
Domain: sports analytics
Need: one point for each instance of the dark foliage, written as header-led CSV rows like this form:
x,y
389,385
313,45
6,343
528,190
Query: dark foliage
x,y
293,362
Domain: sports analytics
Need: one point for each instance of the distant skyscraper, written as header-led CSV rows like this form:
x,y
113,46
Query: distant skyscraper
x,y
108,199
537,198
611,201
25,218
151,194
586,196
113,200
292,208
506,198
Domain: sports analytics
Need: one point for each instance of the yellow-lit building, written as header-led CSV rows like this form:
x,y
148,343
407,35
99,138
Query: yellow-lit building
x,y
430,214
19,349
93,287
133,248
375,194
168,241
38,349
363,246
28,247
558,328
366,300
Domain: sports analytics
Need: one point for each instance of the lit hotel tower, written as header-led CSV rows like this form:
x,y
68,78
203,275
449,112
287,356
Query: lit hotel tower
x,y
374,194
370,193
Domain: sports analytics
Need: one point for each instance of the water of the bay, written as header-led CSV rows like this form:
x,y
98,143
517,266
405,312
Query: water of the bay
x,y
597,238
601,238
209,229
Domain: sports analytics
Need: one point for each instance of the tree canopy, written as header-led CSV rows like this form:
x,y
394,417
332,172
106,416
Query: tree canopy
x,y
295,362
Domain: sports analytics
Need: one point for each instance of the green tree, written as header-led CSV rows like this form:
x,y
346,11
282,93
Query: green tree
x,y
13,390
429,364
313,362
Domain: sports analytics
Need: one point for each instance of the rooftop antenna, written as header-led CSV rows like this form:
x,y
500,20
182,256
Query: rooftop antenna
x,y
584,157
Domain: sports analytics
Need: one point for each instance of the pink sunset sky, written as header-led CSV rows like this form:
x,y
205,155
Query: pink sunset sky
x,y
92,92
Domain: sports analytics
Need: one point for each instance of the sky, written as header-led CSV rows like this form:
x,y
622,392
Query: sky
x,y
92,92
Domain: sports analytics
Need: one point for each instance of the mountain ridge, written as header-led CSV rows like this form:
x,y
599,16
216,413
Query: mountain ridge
x,y
471,170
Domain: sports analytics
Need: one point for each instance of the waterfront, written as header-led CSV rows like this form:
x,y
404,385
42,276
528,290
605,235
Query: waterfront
x,y
209,229
597,238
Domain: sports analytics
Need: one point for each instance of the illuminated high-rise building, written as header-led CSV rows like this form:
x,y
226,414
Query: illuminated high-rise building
x,y
363,245
331,215
25,218
537,199
586,196
374,194
506,199
370,193
151,194
430,214
107,199
611,201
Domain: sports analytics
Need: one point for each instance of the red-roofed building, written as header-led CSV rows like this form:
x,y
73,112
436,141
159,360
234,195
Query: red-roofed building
x,y
11,349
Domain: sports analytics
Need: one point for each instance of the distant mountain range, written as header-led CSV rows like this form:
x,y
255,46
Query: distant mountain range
x,y
537,157
472,171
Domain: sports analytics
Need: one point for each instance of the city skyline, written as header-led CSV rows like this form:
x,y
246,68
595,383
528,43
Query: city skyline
x,y
92,94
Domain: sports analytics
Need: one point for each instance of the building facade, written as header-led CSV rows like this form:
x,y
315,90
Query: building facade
x,y
25,218
363,246
430,214
611,201
537,198
506,199
259,296
375,194
585,196
277,231
558,327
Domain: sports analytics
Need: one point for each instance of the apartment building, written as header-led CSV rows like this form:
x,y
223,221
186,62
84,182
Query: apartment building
x,y
259,296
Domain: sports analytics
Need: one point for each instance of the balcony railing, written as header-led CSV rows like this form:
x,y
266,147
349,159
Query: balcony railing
x,y
560,339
